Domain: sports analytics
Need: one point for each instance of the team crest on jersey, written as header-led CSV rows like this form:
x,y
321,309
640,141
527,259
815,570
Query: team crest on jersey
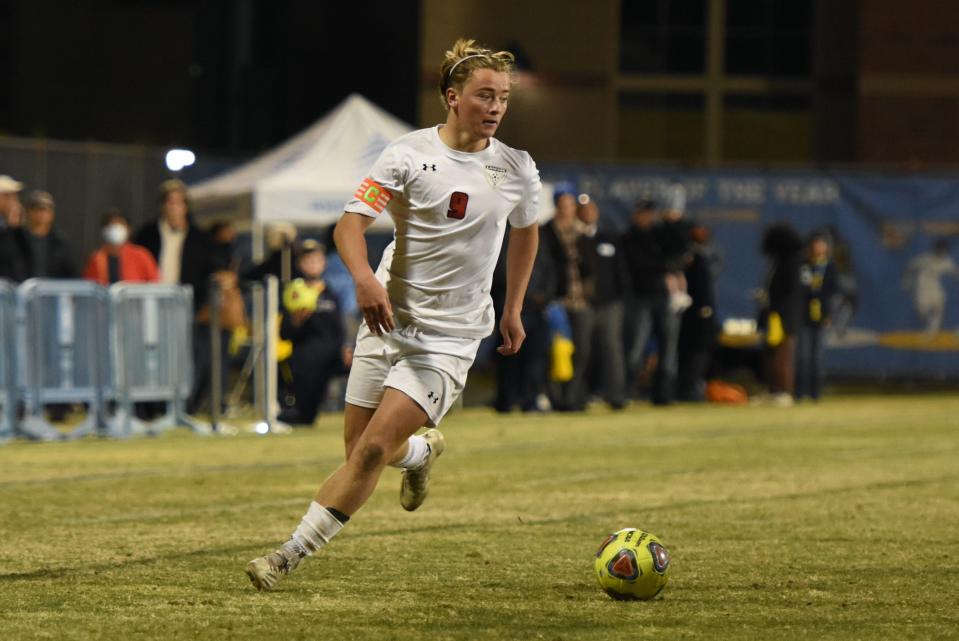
x,y
495,174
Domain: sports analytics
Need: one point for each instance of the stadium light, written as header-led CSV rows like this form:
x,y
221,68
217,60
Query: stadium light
x,y
177,159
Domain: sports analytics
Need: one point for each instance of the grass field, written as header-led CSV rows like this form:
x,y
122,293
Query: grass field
x,y
837,521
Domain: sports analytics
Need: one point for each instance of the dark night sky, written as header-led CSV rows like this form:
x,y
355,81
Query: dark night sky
x,y
219,76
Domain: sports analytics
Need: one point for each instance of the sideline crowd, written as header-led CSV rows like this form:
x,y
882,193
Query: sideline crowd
x,y
613,315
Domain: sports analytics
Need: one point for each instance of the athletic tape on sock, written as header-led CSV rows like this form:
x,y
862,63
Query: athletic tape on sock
x,y
316,528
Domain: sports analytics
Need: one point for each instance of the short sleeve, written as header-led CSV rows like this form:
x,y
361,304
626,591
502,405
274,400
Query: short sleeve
x,y
382,184
526,212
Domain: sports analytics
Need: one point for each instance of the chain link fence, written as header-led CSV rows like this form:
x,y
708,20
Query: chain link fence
x,y
87,178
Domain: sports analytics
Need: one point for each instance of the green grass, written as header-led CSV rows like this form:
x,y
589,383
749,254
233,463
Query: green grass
x,y
837,521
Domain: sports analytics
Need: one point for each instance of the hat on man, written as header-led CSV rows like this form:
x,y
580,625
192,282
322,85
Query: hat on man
x,y
39,200
9,186
309,246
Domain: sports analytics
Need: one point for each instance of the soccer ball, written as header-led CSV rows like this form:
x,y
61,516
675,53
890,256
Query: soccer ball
x,y
632,565
299,296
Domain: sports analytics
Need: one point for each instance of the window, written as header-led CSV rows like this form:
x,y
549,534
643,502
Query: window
x,y
662,126
769,37
767,128
663,36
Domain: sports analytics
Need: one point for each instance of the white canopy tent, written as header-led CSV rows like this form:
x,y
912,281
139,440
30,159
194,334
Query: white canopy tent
x,y
307,179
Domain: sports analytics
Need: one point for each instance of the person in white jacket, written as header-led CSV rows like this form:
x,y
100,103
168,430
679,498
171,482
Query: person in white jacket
x,y
923,277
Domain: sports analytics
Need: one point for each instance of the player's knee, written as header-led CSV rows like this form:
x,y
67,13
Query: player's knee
x,y
350,445
370,457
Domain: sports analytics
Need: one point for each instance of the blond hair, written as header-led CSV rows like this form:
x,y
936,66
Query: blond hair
x,y
169,186
464,58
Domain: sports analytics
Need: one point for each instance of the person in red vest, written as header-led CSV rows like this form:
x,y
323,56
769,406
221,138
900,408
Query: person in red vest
x,y
118,259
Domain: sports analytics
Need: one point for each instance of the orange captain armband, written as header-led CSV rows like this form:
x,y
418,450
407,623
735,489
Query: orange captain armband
x,y
373,194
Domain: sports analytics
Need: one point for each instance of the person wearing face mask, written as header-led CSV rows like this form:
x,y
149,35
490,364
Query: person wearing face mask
x,y
117,259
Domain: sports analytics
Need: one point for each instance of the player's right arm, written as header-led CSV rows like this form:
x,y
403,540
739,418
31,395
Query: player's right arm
x,y
371,296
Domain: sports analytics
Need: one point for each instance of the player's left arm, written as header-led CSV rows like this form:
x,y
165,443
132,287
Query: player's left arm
x,y
520,254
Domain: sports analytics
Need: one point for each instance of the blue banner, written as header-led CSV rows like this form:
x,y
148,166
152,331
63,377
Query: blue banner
x,y
899,314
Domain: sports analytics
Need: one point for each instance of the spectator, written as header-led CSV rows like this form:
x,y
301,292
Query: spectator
x,y
118,259
181,249
923,278
224,262
223,253
231,308
673,233
46,253
650,314
783,309
279,241
561,237
9,202
340,282
11,260
16,214
697,332
313,323
818,277
845,299
523,378
603,253
183,253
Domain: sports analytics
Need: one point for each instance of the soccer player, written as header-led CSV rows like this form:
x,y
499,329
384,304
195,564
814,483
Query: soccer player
x,y
450,190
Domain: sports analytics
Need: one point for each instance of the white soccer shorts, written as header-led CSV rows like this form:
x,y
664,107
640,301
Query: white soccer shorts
x,y
429,368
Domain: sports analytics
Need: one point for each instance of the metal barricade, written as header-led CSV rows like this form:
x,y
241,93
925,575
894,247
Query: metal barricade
x,y
8,363
62,353
260,365
152,338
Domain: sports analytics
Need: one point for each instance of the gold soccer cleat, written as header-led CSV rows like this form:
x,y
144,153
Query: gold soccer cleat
x,y
416,483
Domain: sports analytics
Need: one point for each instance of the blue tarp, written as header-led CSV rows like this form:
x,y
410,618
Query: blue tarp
x,y
880,221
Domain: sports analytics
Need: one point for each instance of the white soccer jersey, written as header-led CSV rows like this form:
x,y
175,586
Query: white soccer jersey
x,y
450,210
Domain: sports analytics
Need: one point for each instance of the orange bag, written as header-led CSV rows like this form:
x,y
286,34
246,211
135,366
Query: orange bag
x,y
726,393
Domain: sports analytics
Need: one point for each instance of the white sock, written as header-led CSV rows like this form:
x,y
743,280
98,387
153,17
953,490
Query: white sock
x,y
315,530
416,454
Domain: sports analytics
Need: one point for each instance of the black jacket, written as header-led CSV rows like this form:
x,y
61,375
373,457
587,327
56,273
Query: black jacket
x,y
606,261
543,281
17,262
11,260
197,260
783,246
550,243
674,242
698,328
321,336
646,261
785,291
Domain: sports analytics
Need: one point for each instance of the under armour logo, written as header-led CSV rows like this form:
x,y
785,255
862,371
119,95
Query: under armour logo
x,y
433,397
425,167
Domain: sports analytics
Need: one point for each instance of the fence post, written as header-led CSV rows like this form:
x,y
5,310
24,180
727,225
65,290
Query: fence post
x,y
269,353
8,365
216,354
